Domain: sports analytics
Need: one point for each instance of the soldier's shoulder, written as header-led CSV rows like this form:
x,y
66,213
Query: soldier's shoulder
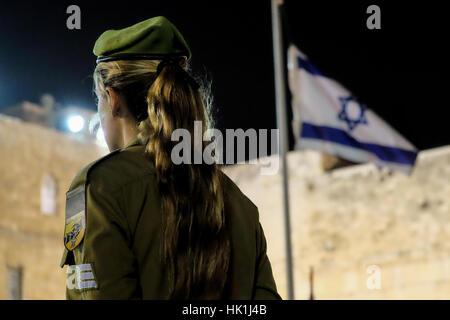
x,y
116,169
121,168
235,196
81,177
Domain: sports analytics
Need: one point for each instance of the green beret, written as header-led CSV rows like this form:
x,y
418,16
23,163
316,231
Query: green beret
x,y
154,38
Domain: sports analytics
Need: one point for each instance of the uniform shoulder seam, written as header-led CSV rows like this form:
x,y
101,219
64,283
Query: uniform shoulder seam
x,y
83,173
112,155
99,160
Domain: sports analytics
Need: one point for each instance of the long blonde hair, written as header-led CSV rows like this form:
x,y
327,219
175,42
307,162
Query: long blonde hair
x,y
195,242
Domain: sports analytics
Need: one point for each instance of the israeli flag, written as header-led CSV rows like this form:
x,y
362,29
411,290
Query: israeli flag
x,y
328,118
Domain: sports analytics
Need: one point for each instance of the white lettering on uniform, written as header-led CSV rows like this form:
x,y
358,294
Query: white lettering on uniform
x,y
80,277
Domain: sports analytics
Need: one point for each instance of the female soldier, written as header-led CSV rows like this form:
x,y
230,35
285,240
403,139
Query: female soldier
x,y
139,226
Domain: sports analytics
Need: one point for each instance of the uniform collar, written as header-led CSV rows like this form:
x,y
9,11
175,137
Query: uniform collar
x,y
132,142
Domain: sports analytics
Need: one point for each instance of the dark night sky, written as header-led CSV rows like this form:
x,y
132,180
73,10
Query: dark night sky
x,y
397,71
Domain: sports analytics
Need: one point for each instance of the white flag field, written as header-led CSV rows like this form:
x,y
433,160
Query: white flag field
x,y
328,118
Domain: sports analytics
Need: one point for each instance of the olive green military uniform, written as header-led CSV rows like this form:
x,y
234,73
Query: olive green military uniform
x,y
115,254
113,222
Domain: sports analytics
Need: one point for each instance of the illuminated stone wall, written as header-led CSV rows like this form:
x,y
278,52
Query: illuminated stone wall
x,y
351,221
29,239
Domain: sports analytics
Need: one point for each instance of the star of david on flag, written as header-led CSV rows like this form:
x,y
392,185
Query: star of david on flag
x,y
328,118
343,115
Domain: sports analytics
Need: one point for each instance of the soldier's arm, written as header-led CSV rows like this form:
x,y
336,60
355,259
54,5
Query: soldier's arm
x,y
106,248
265,287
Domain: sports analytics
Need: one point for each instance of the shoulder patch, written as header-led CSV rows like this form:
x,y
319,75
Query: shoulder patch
x,y
75,225
75,220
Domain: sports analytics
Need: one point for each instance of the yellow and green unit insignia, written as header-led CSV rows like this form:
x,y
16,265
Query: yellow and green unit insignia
x,y
75,225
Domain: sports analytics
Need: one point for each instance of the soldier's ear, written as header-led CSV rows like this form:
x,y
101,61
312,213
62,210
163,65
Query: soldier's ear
x,y
114,101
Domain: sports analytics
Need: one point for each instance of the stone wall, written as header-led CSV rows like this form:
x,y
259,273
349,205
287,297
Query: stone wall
x,y
29,239
348,222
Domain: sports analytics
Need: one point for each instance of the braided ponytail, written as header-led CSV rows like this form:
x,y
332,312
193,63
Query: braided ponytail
x,y
195,243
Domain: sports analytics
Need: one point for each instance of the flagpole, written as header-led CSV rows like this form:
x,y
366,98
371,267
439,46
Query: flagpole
x,y
283,137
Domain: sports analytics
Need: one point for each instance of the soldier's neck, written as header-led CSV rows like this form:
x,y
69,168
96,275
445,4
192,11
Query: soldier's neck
x,y
129,131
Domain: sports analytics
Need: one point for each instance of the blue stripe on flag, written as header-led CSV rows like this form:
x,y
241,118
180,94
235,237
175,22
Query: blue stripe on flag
x,y
385,153
308,66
